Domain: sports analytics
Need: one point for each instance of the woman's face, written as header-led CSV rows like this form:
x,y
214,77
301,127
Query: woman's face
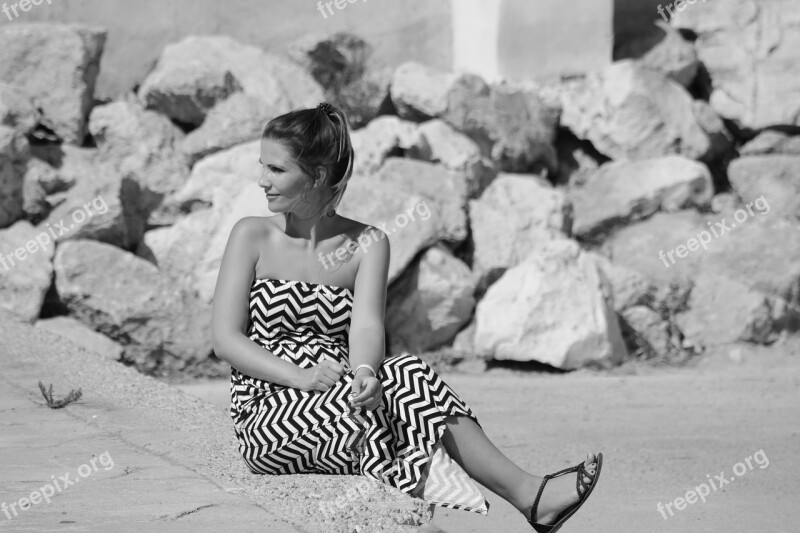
x,y
283,180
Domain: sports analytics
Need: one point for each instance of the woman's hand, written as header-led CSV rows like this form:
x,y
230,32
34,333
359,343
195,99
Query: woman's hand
x,y
320,377
368,390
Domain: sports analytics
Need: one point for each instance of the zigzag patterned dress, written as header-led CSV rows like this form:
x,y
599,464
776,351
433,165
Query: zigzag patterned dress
x,y
283,430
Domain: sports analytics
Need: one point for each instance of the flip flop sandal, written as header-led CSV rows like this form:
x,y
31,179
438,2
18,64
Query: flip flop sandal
x,y
584,490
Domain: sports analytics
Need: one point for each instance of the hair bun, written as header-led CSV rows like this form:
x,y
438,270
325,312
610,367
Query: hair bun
x,y
326,107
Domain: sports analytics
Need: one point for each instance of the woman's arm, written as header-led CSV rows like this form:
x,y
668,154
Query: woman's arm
x,y
369,303
230,311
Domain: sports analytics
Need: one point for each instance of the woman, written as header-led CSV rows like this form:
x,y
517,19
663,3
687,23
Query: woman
x,y
310,388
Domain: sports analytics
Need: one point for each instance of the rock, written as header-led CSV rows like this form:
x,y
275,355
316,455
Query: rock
x,y
239,119
198,72
334,60
515,127
762,255
458,152
445,189
218,179
392,210
83,336
651,330
430,303
723,311
624,191
725,202
384,137
774,179
514,214
56,66
628,287
16,110
746,47
40,180
26,270
577,160
631,112
160,325
14,153
190,251
550,308
102,205
143,146
772,142
419,92
365,98
666,51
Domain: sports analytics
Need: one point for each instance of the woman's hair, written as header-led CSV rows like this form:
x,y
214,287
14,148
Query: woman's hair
x,y
317,137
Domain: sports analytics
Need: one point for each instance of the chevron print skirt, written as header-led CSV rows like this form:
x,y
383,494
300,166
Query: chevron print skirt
x,y
286,430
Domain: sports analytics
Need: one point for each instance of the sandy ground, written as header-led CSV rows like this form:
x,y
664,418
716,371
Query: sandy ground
x,y
662,432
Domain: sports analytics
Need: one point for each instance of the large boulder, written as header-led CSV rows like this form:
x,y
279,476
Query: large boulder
x,y
624,191
550,309
103,205
773,178
629,111
760,257
430,303
17,110
512,215
445,189
750,50
236,120
14,154
664,50
408,219
161,325
513,126
456,151
195,74
384,137
26,269
56,66
142,145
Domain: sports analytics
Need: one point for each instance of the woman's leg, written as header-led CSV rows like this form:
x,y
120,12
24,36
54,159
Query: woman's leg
x,y
469,446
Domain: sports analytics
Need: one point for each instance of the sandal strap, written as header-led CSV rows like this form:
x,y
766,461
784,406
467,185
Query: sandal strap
x,y
580,485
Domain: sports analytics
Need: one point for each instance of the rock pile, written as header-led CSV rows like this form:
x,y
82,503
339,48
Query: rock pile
x,y
633,212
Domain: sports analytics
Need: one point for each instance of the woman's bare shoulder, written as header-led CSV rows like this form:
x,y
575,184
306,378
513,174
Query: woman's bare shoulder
x,y
354,228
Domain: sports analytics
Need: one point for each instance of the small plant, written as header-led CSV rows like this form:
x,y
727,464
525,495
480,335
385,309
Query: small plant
x,y
73,396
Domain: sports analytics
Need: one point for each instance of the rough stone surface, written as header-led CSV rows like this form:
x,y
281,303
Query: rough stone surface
x,y
26,270
14,153
665,50
514,214
772,179
128,300
445,189
629,111
143,146
431,303
551,309
772,142
196,73
624,191
56,66
750,51
16,109
238,119
385,137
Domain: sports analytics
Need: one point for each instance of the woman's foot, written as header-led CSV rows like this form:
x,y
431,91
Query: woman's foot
x,y
559,493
